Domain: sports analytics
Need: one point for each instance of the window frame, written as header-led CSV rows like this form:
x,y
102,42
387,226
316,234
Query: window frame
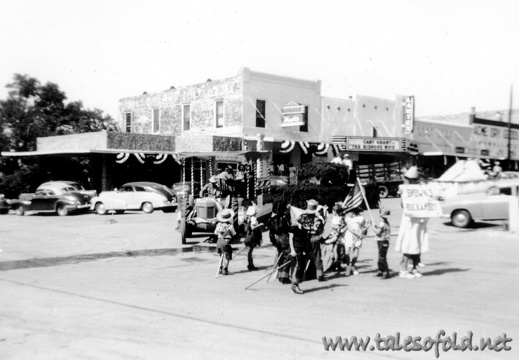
x,y
218,126
128,115
184,117
261,120
304,128
157,130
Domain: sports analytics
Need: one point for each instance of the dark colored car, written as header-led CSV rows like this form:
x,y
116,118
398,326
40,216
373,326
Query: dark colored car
x,y
74,184
53,197
4,205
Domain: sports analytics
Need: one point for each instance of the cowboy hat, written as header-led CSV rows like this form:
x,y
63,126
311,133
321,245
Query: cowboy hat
x,y
311,206
412,173
225,215
213,179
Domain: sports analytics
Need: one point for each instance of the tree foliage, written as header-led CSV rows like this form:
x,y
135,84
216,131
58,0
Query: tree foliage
x,y
34,110
325,182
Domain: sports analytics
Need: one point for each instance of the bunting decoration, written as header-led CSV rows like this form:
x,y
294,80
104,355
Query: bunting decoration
x,y
160,158
141,157
122,157
287,146
176,157
305,146
337,149
321,150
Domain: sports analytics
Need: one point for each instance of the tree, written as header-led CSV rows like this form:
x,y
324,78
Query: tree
x,y
33,110
332,187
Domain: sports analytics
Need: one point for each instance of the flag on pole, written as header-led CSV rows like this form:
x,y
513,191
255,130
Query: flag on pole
x,y
354,198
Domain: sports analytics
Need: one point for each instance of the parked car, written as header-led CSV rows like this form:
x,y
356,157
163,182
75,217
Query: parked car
x,y
493,204
52,197
5,205
140,195
76,186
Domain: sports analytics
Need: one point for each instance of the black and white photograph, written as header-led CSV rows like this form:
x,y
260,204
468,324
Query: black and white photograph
x,y
259,180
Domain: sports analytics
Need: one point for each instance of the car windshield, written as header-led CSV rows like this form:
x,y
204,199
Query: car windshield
x,y
78,186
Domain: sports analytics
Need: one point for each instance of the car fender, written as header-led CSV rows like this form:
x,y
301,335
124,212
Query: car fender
x,y
110,202
155,199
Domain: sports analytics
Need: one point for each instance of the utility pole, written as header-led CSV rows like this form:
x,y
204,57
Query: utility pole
x,y
509,157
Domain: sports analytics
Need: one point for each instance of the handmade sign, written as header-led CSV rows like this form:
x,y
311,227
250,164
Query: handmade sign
x,y
419,201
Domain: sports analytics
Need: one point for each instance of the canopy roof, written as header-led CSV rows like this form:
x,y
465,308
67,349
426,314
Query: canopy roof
x,y
463,171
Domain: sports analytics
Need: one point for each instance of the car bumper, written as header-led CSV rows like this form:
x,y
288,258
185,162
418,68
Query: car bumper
x,y
78,207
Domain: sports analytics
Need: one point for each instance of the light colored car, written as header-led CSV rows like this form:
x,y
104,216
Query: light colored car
x,y
145,196
493,204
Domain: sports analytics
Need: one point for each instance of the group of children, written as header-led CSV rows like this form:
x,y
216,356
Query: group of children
x,y
348,228
299,238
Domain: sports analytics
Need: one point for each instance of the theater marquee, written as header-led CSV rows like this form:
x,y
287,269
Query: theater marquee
x,y
372,144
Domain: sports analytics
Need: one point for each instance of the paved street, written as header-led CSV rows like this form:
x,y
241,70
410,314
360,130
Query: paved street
x,y
123,287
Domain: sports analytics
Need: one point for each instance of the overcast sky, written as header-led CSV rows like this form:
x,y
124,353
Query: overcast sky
x,y
450,54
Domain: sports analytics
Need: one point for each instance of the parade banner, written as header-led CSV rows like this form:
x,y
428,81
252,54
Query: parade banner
x,y
419,201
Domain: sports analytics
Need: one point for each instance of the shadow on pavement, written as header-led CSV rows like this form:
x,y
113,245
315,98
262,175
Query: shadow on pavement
x,y
475,226
327,287
443,271
57,261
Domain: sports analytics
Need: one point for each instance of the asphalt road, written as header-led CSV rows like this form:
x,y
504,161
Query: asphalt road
x,y
124,287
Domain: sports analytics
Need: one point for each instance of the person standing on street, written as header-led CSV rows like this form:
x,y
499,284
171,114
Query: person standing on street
x,y
225,231
355,232
253,235
279,237
299,247
316,238
383,232
412,241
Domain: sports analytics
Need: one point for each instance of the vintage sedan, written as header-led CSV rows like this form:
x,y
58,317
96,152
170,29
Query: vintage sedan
x,y
52,197
76,186
142,195
493,204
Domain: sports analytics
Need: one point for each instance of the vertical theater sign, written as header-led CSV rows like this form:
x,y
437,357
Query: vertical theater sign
x,y
408,114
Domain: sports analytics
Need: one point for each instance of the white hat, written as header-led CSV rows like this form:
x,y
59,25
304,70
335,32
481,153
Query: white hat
x,y
412,173
225,215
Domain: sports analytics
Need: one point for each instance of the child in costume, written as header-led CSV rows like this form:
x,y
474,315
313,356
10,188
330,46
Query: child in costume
x,y
225,231
355,232
383,232
253,235
338,227
316,239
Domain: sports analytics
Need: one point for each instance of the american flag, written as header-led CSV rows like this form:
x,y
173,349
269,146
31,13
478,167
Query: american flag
x,y
354,198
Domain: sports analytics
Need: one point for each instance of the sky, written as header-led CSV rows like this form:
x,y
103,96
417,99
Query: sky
x,y
451,55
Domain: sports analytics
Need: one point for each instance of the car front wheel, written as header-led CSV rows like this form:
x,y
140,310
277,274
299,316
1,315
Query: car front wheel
x,y
100,209
461,218
62,210
147,207
20,211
